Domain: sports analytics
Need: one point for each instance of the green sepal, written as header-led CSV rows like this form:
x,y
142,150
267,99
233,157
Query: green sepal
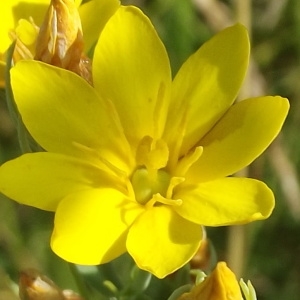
x,y
139,282
93,284
26,142
181,290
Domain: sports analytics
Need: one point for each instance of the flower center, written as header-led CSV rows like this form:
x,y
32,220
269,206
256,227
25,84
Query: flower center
x,y
146,184
150,177
152,182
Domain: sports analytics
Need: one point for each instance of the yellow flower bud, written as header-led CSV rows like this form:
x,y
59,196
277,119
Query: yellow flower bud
x,y
25,36
60,40
221,284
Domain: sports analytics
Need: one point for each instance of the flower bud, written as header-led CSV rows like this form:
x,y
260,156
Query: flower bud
x,y
35,286
25,36
60,40
221,284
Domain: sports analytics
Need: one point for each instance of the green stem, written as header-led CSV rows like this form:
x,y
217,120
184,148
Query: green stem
x,y
107,272
81,285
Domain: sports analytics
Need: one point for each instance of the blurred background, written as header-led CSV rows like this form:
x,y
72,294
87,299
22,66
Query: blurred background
x,y
265,252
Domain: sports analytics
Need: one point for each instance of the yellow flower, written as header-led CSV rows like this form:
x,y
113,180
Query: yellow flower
x,y
138,163
23,18
221,284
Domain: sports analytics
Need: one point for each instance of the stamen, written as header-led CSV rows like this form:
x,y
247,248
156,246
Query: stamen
x,y
158,198
173,183
187,161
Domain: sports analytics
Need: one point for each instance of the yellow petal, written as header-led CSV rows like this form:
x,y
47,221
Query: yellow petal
x,y
91,226
65,114
94,15
43,179
207,84
131,68
225,201
161,242
26,32
14,10
240,136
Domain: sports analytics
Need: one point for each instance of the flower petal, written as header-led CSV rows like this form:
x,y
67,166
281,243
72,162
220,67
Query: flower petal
x,y
160,241
244,132
207,84
91,226
14,10
131,68
64,113
42,179
227,201
94,15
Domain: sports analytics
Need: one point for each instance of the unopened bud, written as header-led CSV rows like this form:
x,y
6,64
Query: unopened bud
x,y
25,36
60,40
221,284
35,286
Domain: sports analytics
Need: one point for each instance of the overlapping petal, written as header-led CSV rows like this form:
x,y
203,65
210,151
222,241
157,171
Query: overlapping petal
x,y
42,179
131,68
91,226
202,91
239,137
68,116
160,241
226,201
94,15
